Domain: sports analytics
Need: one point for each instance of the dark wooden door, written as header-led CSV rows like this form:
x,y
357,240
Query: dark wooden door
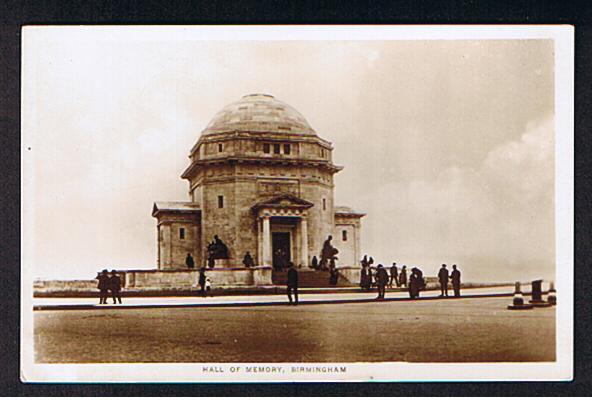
x,y
281,249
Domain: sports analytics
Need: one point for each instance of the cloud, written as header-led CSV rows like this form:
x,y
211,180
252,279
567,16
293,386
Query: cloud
x,y
499,213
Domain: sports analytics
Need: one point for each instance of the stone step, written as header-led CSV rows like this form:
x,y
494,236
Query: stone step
x,y
309,278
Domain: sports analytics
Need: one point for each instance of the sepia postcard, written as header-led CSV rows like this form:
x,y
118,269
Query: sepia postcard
x,y
297,203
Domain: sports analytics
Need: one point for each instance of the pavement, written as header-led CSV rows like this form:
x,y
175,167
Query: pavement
x,y
306,297
460,330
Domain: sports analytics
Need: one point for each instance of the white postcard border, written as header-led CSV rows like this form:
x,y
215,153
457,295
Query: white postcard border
x,y
562,369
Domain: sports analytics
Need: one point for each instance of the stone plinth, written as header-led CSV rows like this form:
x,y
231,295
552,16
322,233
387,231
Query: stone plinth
x,y
223,263
188,279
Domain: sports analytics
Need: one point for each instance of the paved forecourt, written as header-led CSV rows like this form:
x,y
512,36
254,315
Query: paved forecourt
x,y
460,330
48,303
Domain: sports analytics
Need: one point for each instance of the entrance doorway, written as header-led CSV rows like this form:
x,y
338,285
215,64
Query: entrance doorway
x,y
281,250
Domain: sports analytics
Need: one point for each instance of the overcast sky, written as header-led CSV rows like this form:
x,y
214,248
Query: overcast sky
x,y
448,146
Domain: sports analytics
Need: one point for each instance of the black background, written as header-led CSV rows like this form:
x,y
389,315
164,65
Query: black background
x,y
15,14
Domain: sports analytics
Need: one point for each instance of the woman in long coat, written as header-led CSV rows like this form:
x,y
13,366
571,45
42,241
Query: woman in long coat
x,y
363,278
403,276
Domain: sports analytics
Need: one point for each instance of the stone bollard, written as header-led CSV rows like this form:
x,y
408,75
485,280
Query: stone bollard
x,y
537,294
518,301
552,296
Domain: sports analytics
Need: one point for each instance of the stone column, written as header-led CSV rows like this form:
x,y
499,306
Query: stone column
x,y
259,242
304,243
266,241
357,246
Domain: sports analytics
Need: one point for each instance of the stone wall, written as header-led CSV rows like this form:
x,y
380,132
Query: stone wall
x,y
155,280
347,248
72,286
188,279
172,250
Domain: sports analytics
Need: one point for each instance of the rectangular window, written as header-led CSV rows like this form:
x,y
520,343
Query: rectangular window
x,y
276,149
324,204
286,149
181,233
344,236
220,147
220,201
266,148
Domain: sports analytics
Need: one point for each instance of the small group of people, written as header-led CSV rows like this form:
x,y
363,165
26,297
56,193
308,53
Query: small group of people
x,y
381,279
444,277
205,283
109,283
280,260
366,281
398,278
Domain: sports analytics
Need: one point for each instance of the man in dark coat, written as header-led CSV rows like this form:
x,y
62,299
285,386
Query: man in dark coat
x,y
455,278
333,276
292,284
248,261
115,287
189,261
394,275
202,281
382,280
103,286
443,278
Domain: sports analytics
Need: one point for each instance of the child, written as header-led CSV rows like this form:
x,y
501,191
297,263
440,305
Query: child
x,y
208,286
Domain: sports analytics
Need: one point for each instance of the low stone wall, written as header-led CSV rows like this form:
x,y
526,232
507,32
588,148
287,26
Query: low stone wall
x,y
168,280
188,279
73,286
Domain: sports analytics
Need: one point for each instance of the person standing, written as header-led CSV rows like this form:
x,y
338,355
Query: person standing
x,y
103,286
403,276
416,283
443,278
202,281
455,278
189,261
394,275
292,284
382,280
369,279
314,263
115,287
333,276
363,277
248,261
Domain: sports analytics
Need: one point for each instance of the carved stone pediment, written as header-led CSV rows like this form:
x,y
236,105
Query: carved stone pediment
x,y
285,202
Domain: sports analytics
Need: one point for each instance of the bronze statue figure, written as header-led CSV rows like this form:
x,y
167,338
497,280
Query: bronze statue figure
x,y
217,249
328,254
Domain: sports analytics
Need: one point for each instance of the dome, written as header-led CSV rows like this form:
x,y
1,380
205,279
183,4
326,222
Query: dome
x,y
259,113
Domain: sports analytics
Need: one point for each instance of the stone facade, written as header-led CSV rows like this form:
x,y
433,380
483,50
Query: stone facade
x,y
262,180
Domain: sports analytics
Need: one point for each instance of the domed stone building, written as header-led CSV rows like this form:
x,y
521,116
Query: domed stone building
x,y
261,179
